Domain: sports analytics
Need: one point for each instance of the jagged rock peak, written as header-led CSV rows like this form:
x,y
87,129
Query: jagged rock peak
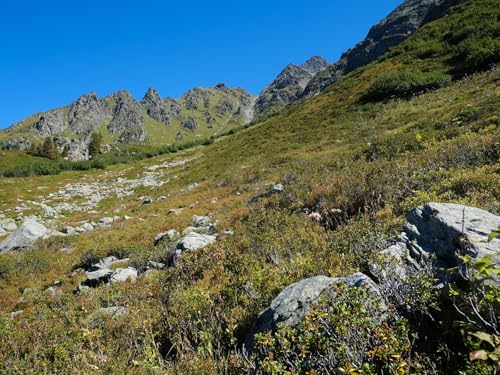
x,y
86,114
315,64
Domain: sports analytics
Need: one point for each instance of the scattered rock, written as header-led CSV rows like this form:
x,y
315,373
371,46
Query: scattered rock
x,y
68,230
106,220
147,200
201,221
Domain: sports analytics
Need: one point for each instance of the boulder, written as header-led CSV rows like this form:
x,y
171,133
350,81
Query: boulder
x,y
25,236
194,241
124,274
445,231
96,278
201,221
169,235
8,224
292,304
155,265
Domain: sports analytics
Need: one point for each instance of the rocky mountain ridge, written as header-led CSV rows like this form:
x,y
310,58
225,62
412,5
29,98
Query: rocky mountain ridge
x,y
124,120
405,20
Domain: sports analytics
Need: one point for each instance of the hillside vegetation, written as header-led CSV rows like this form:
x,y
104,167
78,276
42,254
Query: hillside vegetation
x,y
418,125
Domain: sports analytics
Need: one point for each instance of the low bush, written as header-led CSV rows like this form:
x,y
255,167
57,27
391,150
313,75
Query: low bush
x,y
404,84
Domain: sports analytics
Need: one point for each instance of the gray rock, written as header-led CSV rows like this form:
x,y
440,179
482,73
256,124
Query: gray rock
x,y
147,200
293,302
96,278
445,231
87,227
128,120
8,224
160,110
68,230
194,241
169,235
201,221
86,114
191,124
105,263
50,123
106,220
156,265
25,236
124,274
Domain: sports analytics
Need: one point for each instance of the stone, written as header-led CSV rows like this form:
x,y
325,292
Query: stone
x,y
200,221
98,277
124,274
293,302
169,235
87,227
445,231
105,263
194,241
156,265
8,224
24,237
68,230
147,200
106,221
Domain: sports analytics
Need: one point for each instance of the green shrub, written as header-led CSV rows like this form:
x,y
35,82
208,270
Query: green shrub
x,y
404,84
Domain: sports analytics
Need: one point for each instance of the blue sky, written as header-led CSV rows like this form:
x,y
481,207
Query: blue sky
x,y
53,51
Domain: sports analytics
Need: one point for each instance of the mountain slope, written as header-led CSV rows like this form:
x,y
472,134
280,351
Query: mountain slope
x,y
349,168
390,32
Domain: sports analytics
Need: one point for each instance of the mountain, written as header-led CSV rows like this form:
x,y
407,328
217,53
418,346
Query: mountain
x,y
288,85
354,232
122,120
405,20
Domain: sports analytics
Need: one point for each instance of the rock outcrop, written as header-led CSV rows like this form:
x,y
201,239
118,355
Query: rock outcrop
x,y
391,31
446,231
128,119
158,109
86,114
288,86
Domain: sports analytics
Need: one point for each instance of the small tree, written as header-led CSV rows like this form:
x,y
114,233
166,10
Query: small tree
x,y
95,144
65,151
49,149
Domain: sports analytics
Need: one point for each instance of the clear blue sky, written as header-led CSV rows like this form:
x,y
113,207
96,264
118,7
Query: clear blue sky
x,y
53,51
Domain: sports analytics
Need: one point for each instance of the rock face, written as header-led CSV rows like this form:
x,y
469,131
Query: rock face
x,y
288,86
128,120
447,231
292,304
391,31
86,114
50,123
162,111
24,237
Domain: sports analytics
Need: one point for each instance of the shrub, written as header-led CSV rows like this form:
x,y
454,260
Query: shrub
x,y
337,336
404,84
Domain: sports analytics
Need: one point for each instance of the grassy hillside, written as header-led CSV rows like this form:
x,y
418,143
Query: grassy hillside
x,y
360,162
